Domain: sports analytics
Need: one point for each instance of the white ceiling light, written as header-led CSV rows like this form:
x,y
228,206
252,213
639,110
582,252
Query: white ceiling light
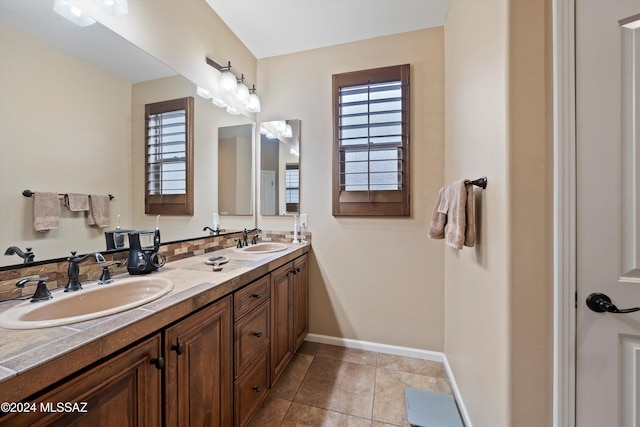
x,y
72,13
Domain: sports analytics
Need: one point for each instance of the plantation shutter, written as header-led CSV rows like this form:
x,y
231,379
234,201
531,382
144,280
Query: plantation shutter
x,y
169,157
371,142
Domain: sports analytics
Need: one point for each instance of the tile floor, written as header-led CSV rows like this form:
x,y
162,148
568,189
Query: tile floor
x,y
325,385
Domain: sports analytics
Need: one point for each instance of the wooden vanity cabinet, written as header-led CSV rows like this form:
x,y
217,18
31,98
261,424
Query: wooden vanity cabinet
x,y
123,391
290,312
252,340
300,300
198,373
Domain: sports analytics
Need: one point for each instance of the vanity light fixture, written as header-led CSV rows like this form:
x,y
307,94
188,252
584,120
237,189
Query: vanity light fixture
x,y
231,85
253,104
228,81
632,22
242,93
72,13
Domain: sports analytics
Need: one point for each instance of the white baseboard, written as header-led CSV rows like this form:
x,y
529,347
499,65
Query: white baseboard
x,y
434,356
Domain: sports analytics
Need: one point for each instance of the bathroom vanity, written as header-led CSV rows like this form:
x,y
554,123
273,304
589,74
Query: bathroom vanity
x,y
206,353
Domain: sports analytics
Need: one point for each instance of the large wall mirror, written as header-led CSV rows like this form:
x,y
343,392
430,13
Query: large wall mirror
x,y
235,166
280,167
72,121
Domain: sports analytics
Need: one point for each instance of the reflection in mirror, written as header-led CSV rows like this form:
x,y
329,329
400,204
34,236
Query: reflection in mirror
x,y
235,148
70,123
280,167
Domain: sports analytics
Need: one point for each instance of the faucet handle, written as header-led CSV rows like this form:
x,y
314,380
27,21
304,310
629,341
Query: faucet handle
x,y
105,278
42,292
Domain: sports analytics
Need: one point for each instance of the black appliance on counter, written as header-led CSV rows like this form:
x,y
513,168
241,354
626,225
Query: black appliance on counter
x,y
144,255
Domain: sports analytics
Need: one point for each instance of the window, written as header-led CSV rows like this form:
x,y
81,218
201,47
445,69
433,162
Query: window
x,y
169,157
292,187
371,142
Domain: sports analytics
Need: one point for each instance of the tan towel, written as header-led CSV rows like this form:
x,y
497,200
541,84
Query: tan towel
x,y
98,214
76,202
46,211
453,217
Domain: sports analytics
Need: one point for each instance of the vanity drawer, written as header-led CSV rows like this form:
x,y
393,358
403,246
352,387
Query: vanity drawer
x,y
252,388
252,335
248,298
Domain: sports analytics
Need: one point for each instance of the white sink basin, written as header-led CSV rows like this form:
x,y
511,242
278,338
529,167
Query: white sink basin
x,y
91,302
264,248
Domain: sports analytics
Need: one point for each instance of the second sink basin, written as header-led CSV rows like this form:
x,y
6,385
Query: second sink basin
x,y
264,248
91,302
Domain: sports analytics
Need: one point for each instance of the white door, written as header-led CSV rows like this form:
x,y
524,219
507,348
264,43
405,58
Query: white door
x,y
268,192
608,212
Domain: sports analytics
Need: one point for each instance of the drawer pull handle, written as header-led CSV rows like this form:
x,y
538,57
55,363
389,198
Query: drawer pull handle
x,y
178,348
257,334
158,362
257,296
257,388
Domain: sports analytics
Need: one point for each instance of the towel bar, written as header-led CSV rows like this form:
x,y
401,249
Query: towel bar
x,y
29,193
480,182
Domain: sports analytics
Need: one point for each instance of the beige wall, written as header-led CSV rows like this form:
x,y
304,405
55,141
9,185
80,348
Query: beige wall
x,y
378,280
55,110
496,324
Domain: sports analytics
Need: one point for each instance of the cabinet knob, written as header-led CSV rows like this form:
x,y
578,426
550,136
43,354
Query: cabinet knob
x,y
158,362
257,296
178,348
257,388
257,334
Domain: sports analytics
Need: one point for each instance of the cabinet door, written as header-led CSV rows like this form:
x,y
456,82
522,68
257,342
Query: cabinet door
x,y
300,300
123,391
281,320
199,368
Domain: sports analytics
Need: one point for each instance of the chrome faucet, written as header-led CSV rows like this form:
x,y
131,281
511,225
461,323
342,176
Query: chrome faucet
x,y
74,269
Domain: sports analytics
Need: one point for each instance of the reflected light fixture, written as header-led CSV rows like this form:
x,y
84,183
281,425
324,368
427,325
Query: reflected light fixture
x,y
113,7
72,13
632,22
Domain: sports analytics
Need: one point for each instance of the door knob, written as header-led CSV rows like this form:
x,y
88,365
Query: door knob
x,y
601,303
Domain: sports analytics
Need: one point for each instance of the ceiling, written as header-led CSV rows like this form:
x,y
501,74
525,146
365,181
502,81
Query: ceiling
x,y
278,27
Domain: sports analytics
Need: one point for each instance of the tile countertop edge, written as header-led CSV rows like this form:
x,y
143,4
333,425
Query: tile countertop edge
x,y
24,374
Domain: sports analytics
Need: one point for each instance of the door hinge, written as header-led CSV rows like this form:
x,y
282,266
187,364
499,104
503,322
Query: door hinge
x,y
576,299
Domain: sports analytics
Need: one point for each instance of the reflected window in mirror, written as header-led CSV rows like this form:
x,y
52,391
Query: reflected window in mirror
x,y
169,157
280,167
292,187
